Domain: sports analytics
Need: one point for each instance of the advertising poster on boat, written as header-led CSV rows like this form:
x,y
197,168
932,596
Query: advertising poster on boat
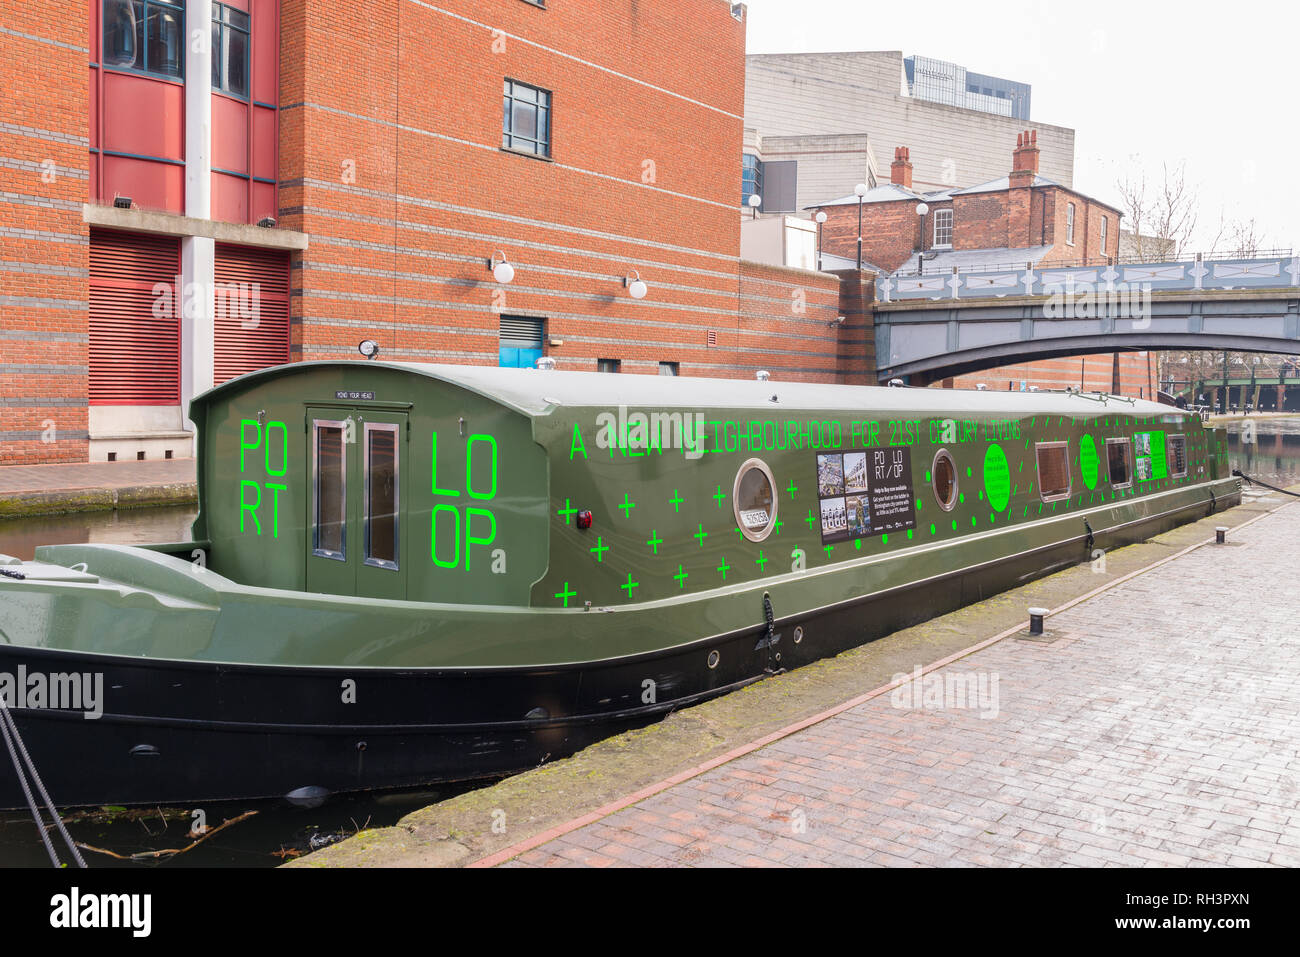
x,y
865,493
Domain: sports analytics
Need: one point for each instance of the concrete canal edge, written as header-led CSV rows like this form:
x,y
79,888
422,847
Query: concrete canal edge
x,y
495,823
22,504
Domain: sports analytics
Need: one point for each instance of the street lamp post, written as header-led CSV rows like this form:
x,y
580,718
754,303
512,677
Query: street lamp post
x,y
821,221
861,191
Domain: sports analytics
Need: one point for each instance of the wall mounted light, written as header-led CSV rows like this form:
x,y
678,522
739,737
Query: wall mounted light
x,y
501,270
755,201
122,202
267,222
636,288
369,348
546,363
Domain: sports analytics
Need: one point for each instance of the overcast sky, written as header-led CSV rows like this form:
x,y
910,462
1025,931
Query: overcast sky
x,y
1216,85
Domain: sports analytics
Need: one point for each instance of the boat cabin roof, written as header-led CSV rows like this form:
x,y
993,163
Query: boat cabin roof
x,y
536,392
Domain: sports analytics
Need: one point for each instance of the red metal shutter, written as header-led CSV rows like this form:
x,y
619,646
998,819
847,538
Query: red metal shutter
x,y
135,337
252,310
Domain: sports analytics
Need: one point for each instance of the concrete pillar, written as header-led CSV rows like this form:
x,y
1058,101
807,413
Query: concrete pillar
x,y
198,253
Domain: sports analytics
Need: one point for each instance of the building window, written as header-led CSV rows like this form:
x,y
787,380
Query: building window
x,y
527,121
668,368
1119,460
1105,223
943,227
1069,224
146,36
751,178
230,50
1053,470
521,342
608,365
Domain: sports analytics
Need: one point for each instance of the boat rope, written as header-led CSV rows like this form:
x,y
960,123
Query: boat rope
x,y
1092,540
14,743
1253,481
770,639
10,573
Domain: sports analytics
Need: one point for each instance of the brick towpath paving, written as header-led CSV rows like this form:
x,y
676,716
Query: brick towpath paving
x,y
90,486
1160,727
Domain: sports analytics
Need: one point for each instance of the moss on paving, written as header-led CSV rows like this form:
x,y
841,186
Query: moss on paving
x,y
65,501
461,830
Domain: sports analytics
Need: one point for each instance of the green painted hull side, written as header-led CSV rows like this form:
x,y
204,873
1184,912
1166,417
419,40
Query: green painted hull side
x,y
170,611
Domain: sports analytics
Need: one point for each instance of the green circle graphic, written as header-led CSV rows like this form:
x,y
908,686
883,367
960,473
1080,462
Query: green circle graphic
x,y
997,478
1088,461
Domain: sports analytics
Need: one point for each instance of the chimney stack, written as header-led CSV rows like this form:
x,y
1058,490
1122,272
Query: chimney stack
x,y
1024,161
900,171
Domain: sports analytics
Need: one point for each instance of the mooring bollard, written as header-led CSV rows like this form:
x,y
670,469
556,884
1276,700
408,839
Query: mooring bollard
x,y
1221,535
1036,616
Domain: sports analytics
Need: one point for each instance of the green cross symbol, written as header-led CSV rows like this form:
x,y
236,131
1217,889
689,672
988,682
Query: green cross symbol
x,y
828,549
792,488
600,549
681,577
676,501
760,561
720,495
724,568
739,532
566,594
630,586
810,520
627,505
776,527
567,511
701,534
654,541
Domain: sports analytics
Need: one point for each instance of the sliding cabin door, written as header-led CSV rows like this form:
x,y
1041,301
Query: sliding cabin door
x,y
356,521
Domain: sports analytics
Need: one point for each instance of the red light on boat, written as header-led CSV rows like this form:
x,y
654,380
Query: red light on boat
x,y
584,519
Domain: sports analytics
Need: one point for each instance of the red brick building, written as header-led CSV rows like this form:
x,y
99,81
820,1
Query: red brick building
x,y
319,173
1020,219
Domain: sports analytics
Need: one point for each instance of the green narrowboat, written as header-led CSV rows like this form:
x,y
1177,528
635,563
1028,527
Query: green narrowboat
x,y
403,574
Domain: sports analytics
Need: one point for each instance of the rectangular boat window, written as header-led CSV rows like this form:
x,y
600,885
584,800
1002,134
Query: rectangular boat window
x,y
329,491
381,484
1119,457
1178,456
1053,470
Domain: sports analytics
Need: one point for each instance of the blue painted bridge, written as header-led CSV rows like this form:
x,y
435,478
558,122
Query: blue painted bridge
x,y
929,327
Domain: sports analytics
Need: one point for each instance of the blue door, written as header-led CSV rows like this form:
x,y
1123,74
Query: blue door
x,y
521,342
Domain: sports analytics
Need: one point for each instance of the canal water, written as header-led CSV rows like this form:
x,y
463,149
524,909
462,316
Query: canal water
x,y
1267,449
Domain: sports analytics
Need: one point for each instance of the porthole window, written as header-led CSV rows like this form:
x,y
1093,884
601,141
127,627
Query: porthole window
x,y
943,477
754,500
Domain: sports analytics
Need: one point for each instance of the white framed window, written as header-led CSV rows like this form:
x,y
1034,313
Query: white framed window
x,y
1119,462
1054,479
943,227
1069,224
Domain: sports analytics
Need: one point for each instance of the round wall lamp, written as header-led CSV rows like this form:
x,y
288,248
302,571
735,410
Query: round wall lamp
x,y
369,348
501,270
636,288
